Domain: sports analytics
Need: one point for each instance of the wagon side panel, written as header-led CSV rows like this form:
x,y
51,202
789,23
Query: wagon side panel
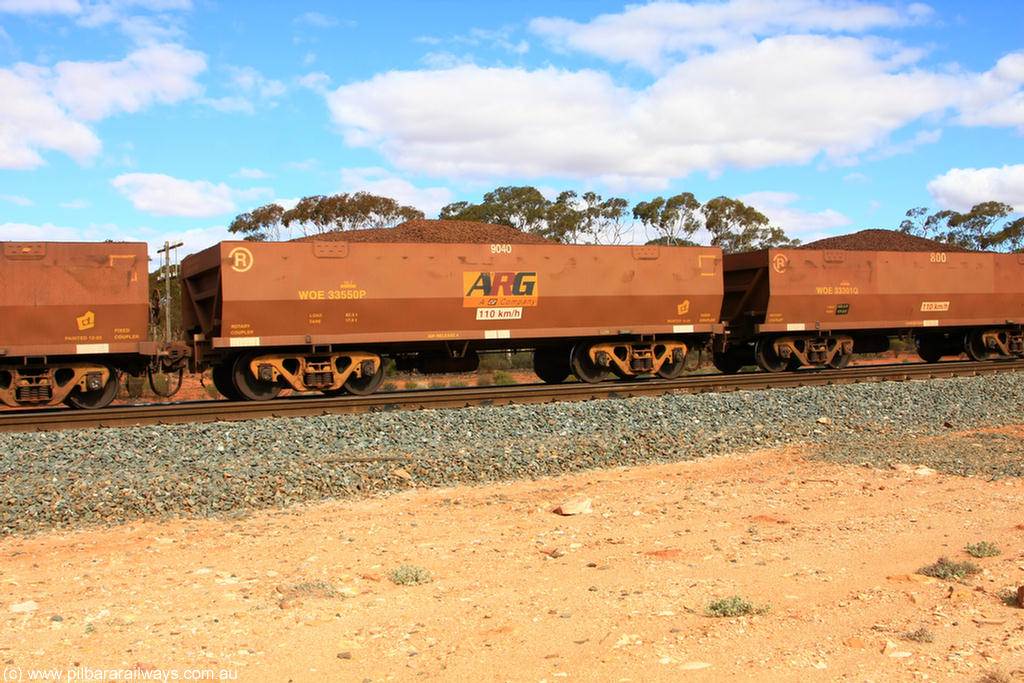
x,y
73,298
355,293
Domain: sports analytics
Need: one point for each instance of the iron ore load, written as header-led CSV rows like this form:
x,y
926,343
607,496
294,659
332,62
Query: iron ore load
x,y
324,315
74,316
821,303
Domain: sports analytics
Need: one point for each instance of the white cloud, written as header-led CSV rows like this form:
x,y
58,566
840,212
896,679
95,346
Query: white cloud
x,y
162,195
316,81
307,165
250,174
474,122
16,199
998,99
445,60
794,221
316,19
30,121
648,35
924,137
748,107
40,6
429,200
76,204
101,12
157,73
961,188
248,85
248,79
500,39
782,100
25,232
229,105
48,108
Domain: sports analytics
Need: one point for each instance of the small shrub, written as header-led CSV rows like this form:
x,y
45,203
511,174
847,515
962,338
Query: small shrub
x,y
733,607
898,345
437,384
407,575
483,381
983,549
948,570
389,386
995,676
412,384
208,387
1009,597
502,378
921,635
458,383
506,361
315,588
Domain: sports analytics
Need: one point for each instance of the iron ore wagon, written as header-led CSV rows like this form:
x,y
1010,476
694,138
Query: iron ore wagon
x,y
785,308
74,316
323,315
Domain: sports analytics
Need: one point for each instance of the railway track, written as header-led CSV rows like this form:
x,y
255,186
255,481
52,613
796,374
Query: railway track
x,y
304,406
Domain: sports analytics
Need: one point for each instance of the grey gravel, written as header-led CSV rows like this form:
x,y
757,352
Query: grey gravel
x,y
70,479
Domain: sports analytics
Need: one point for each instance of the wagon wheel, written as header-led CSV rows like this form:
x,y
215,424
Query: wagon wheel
x,y
674,369
726,362
584,368
767,359
551,364
840,360
928,350
247,384
974,345
361,386
221,375
97,398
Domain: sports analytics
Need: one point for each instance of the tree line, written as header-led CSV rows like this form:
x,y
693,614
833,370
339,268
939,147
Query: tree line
x,y
590,218
988,226
322,213
572,218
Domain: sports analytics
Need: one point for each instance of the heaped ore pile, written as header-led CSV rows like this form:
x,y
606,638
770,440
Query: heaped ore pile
x,y
880,240
426,230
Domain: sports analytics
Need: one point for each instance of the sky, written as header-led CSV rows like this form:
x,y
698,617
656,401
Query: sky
x,y
162,120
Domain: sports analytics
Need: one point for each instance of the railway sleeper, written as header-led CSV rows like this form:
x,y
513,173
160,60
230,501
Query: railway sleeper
x,y
50,385
628,359
326,373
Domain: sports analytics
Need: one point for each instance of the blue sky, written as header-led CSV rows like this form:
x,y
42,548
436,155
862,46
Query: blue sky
x,y
163,119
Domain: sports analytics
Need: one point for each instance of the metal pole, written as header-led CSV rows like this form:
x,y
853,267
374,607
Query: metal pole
x,y
166,251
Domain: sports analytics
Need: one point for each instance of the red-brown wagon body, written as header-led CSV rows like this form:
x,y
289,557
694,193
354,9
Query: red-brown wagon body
x,y
949,301
440,299
70,312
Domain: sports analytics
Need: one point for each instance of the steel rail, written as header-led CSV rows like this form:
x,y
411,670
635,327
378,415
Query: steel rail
x,y
306,406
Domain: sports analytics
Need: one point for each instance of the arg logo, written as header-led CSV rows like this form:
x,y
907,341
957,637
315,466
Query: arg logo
x,y
508,288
